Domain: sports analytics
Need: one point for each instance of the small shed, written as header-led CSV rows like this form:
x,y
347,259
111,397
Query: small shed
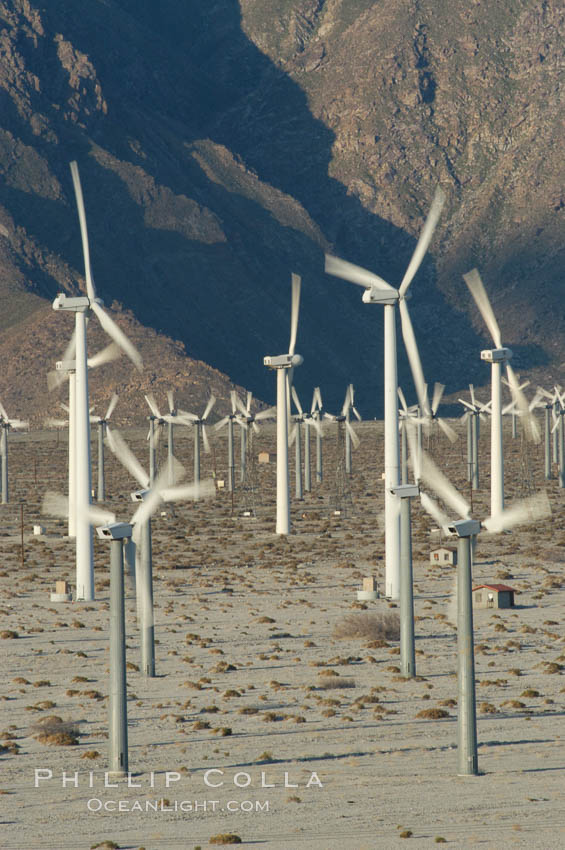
x,y
444,555
263,457
493,596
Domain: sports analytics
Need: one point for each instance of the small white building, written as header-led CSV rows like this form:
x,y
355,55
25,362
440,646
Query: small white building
x,y
493,596
263,457
444,555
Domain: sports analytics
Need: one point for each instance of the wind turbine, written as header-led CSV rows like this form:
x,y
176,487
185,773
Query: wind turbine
x,y
6,423
229,420
349,406
102,422
150,497
199,424
82,306
474,411
378,291
250,419
317,413
433,413
527,511
156,422
498,357
308,421
282,363
342,420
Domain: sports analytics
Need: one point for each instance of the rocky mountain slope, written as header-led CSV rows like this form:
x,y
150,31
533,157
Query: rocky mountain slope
x,y
222,146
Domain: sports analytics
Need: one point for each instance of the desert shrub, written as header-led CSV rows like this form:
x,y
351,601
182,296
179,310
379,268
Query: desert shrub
x,y
225,838
369,625
433,713
54,730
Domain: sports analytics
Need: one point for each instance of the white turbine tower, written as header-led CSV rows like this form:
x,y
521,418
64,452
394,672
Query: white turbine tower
x,y
378,291
282,364
5,424
498,357
82,306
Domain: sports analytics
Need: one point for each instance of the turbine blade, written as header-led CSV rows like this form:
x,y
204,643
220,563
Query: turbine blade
x,y
83,231
249,401
117,335
294,311
354,438
402,398
292,435
443,487
447,430
466,404
356,413
433,509
297,401
478,291
111,406
221,423
55,423
472,391
355,274
106,355
413,357
437,397
205,440
150,399
266,414
122,451
239,405
424,240
528,419
209,406
98,516
171,401
205,489
529,510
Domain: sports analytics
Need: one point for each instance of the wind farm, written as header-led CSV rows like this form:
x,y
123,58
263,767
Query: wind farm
x,y
277,569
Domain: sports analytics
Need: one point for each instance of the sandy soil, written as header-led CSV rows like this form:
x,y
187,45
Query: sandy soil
x,y
245,623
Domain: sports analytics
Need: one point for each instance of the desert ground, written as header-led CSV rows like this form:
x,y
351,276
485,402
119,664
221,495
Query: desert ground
x,y
318,740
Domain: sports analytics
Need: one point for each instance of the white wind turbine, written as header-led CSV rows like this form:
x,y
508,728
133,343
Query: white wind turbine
x,y
150,496
229,421
350,406
102,422
498,357
308,420
199,424
433,413
317,413
6,424
283,363
527,511
378,291
82,306
342,420
246,417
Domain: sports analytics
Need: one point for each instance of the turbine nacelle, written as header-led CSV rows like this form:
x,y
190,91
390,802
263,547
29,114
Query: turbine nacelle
x,y
380,296
283,361
464,527
66,365
115,531
139,495
79,304
496,355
